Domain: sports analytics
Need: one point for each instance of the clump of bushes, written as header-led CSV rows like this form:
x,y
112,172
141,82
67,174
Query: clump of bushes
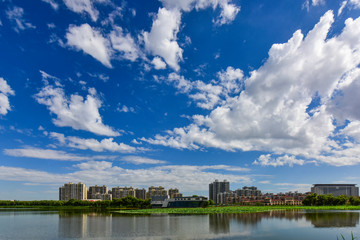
x,y
330,200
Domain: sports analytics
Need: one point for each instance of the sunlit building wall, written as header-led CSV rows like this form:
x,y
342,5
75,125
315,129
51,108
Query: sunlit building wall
x,y
336,189
75,191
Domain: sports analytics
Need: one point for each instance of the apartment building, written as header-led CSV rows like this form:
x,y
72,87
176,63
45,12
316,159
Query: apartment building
x,y
140,193
121,192
71,190
97,192
156,191
174,192
218,187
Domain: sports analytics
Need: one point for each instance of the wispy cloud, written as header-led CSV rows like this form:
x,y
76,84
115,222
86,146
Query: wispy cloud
x,y
186,178
142,160
107,144
16,16
49,154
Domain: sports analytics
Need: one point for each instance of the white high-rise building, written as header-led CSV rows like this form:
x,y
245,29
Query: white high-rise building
x,y
75,191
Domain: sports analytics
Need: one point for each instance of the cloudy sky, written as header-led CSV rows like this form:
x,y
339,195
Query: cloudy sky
x,y
178,93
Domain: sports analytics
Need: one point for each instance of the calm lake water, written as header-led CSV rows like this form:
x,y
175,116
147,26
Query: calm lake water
x,y
275,225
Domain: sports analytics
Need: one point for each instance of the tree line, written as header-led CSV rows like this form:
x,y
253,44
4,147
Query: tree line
x,y
330,200
126,202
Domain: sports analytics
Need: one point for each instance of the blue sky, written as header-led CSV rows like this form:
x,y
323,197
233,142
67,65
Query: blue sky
x,y
178,93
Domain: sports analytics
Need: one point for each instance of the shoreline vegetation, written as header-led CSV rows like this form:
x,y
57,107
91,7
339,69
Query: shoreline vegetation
x,y
230,209
183,211
132,205
130,210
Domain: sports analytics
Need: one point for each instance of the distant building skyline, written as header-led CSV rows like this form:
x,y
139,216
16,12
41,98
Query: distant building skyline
x,y
78,191
219,192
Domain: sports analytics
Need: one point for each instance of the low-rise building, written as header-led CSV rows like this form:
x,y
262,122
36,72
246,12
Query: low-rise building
x,y
184,202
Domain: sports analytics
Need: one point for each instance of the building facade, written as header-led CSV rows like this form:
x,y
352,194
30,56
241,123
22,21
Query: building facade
x,y
248,191
140,193
174,192
184,202
336,189
226,198
156,191
75,191
96,192
121,192
218,187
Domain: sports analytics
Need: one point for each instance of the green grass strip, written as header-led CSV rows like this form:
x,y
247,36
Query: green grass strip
x,y
232,209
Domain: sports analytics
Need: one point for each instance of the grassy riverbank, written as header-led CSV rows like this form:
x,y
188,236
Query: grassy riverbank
x,y
37,207
233,209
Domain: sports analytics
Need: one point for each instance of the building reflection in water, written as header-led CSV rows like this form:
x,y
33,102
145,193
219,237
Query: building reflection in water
x,y
333,219
220,223
159,225
97,225
84,225
110,225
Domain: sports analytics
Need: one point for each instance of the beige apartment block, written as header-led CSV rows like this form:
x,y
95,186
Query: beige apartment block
x,y
97,192
140,193
156,191
121,192
174,192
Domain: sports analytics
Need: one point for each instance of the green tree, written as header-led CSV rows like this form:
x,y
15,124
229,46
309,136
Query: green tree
x,y
340,200
310,200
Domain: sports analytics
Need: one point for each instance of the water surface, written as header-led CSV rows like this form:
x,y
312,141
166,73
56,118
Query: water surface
x,y
275,225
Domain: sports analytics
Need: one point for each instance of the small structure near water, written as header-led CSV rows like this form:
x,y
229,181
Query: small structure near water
x,y
184,202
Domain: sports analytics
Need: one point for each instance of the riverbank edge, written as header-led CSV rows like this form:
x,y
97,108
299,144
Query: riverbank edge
x,y
230,209
54,208
207,210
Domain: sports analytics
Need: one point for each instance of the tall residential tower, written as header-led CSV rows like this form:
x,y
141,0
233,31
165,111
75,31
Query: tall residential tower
x,y
218,187
75,191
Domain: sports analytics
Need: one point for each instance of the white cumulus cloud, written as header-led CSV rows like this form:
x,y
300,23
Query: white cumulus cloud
x,y
161,40
267,160
228,13
124,43
90,41
158,63
74,111
278,111
5,92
